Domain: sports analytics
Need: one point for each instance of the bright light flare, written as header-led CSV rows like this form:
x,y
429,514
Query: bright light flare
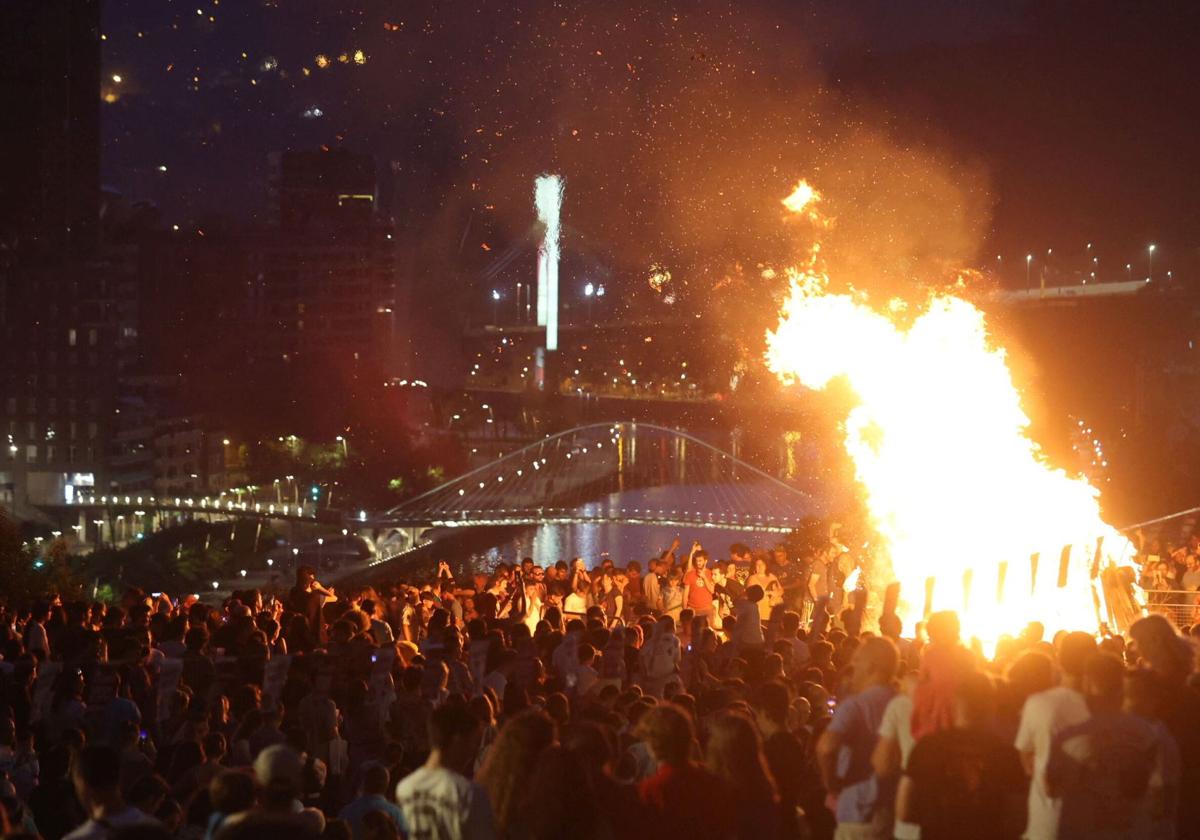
x,y
803,201
953,484
801,197
547,199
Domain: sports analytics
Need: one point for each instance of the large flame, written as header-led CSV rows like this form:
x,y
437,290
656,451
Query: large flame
x,y
960,495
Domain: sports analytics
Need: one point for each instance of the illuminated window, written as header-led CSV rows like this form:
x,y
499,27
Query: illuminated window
x,y
31,453
71,337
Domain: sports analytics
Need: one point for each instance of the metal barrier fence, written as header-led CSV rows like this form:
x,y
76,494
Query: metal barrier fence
x,y
1181,607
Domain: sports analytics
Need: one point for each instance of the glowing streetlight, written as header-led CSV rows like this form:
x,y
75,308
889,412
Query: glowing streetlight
x,y
589,290
495,306
216,584
1129,271
1150,260
1028,265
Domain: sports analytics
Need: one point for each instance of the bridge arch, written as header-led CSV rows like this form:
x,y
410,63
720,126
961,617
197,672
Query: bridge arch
x,y
612,472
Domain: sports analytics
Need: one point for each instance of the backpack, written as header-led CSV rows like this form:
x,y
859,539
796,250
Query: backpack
x,y
662,660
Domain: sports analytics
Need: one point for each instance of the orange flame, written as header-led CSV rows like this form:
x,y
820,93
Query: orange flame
x,y
802,196
954,486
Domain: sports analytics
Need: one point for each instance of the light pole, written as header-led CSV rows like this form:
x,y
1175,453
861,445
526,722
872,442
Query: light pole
x,y
1028,265
589,291
1150,263
518,301
1129,271
345,446
495,306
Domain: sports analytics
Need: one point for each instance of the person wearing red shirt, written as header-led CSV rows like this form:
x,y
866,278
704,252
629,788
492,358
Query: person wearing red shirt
x,y
698,585
944,665
682,799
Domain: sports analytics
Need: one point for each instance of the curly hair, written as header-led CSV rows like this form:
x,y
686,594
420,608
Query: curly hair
x,y
510,763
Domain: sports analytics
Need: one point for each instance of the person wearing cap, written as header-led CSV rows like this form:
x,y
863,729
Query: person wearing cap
x,y
280,773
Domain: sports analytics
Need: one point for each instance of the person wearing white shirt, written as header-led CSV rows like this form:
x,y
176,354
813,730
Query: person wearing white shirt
x,y
1044,715
438,801
895,745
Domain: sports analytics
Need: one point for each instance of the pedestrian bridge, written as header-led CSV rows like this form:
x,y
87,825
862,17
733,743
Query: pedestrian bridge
x,y
609,473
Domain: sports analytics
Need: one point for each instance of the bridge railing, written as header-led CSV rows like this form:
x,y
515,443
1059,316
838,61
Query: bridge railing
x,y
204,504
1180,606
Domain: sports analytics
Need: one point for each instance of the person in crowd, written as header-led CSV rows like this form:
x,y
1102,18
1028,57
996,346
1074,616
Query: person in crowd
x,y
660,657
698,585
734,755
1144,699
1100,768
895,746
1044,715
682,799
95,774
861,801
373,798
944,664
299,713
964,781
509,766
768,581
438,801
1172,659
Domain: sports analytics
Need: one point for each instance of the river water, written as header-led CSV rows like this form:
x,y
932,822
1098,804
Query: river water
x,y
480,549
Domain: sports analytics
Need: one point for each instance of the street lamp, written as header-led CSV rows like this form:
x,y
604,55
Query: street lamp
x,y
345,446
589,291
1129,271
518,301
1028,264
495,306
1150,260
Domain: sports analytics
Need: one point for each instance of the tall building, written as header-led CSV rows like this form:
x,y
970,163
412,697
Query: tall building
x,y
50,128
66,334
323,281
65,309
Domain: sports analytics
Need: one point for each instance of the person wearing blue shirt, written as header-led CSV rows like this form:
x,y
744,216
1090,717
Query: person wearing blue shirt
x,y
373,798
861,801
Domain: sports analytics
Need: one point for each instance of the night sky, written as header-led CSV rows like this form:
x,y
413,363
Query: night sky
x,y
942,133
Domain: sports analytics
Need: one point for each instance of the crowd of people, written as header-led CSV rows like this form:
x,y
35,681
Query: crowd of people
x,y
735,698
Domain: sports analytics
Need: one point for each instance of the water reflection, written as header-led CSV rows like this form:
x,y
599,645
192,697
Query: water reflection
x,y
547,544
